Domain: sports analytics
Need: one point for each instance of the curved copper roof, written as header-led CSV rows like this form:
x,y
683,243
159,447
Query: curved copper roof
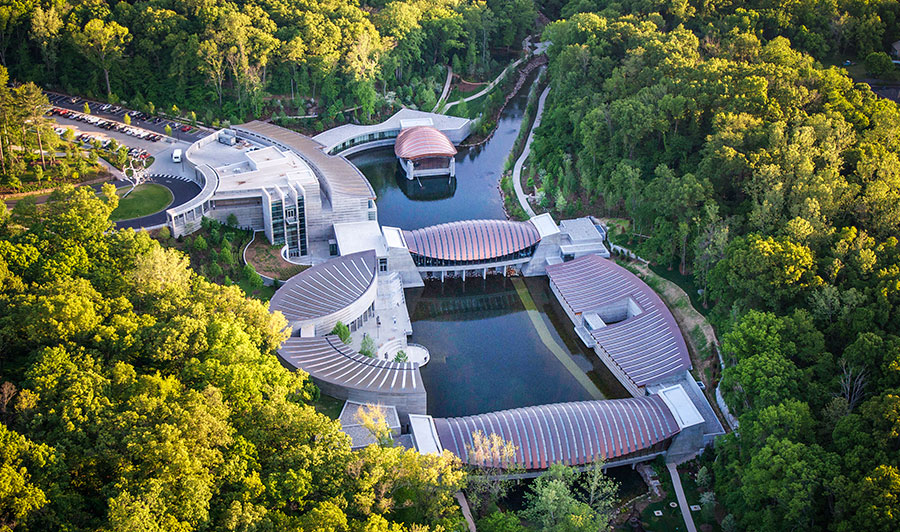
x,y
339,174
472,240
423,141
325,288
328,359
649,346
571,433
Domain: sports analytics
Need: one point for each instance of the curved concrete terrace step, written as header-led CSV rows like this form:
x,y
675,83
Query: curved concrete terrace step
x,y
341,372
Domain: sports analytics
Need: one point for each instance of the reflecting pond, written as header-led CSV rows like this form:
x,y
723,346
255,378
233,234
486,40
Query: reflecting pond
x,y
486,351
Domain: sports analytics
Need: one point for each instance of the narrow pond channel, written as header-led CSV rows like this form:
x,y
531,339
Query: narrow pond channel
x,y
495,343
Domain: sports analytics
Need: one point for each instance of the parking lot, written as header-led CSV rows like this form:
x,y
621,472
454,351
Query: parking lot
x,y
98,132
138,119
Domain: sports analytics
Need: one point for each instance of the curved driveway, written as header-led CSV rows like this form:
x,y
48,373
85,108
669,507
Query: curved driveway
x,y
182,192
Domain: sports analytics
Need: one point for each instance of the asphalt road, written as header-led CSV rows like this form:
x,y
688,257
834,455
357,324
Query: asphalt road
x,y
182,191
64,101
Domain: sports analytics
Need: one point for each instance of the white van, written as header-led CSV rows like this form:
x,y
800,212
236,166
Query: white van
x,y
176,156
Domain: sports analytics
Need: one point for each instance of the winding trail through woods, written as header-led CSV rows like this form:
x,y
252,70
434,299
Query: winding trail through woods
x,y
517,169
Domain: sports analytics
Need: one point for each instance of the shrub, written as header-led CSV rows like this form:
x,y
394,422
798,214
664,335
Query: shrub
x,y
879,64
226,256
164,233
500,522
704,480
200,243
367,347
232,220
342,332
255,280
215,270
401,356
729,524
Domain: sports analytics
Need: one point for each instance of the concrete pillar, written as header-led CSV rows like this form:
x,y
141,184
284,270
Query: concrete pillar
x,y
442,276
484,276
452,166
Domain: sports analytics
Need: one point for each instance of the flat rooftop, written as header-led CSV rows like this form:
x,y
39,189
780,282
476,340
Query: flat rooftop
x,y
360,436
424,434
393,236
545,224
339,174
354,237
263,168
681,406
216,154
267,154
580,230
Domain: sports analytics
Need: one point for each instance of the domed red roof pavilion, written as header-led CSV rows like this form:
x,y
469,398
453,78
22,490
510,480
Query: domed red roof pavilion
x,y
421,142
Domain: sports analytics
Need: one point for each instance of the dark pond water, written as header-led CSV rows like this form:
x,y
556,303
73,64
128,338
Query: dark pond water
x,y
486,353
472,195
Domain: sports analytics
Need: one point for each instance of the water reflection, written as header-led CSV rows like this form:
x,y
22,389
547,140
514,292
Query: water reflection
x,y
472,196
485,352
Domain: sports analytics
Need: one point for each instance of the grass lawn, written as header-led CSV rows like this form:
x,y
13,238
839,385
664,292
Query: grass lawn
x,y
263,294
144,199
671,518
329,406
473,108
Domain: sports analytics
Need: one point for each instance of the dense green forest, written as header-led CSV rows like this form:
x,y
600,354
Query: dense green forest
x,y
775,181
225,59
136,395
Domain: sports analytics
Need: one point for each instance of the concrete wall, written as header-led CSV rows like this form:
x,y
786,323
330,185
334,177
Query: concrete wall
x,y
248,216
547,248
400,261
186,218
686,444
406,403
323,325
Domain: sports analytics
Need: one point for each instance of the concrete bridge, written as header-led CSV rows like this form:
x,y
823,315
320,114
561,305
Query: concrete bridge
x,y
618,431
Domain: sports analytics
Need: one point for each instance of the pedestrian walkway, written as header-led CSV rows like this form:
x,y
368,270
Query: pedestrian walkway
x,y
485,90
517,169
446,90
682,500
467,513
